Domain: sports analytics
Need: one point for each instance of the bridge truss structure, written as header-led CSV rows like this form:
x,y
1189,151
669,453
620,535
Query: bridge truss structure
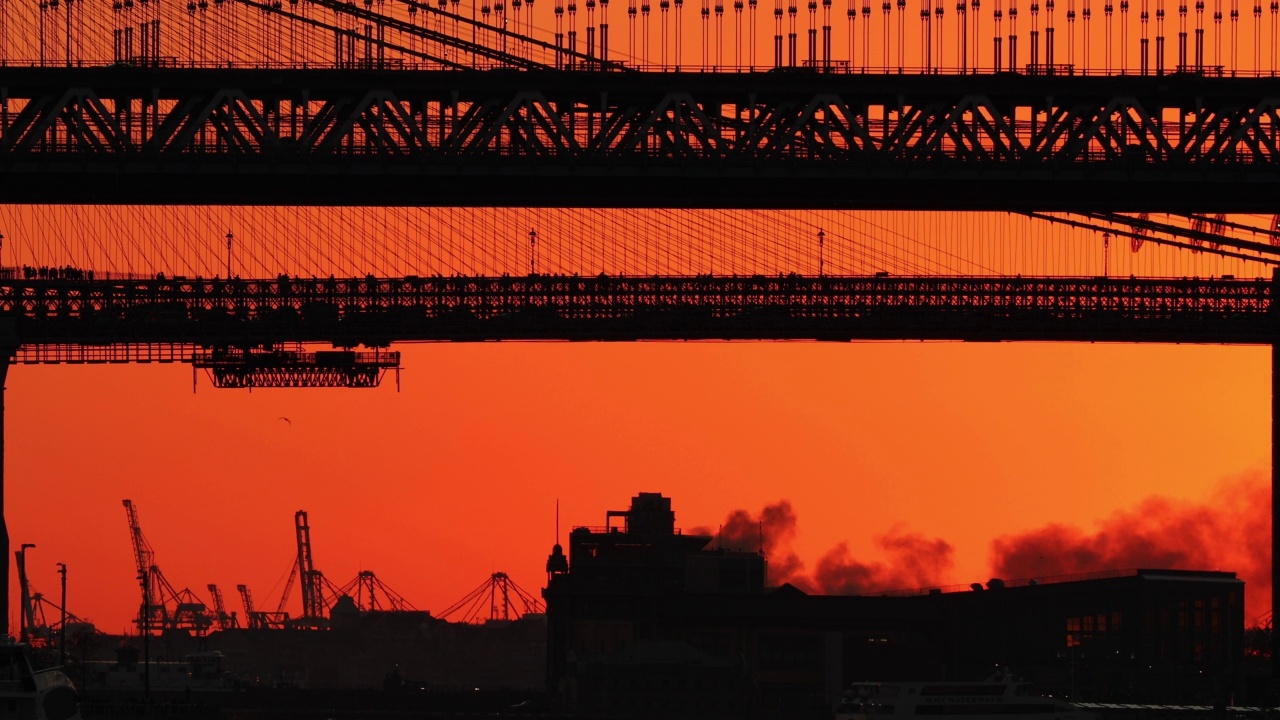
x,y
232,325
555,139
241,328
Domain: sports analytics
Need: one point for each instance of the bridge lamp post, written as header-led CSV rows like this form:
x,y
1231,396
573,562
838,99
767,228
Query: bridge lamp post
x,y
43,6
822,236
1106,254
533,252
230,237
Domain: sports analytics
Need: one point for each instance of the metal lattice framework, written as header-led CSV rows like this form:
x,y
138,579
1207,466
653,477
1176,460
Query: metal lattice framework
x,y
280,368
370,594
497,598
163,607
798,139
55,320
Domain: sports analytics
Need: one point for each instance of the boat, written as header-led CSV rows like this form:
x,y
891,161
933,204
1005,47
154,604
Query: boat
x,y
28,694
198,672
994,699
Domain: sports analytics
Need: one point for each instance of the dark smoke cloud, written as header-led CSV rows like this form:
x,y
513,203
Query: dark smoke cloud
x,y
775,525
1231,530
914,560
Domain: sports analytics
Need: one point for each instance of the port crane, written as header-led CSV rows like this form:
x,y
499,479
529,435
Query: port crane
x,y
28,605
505,600
371,594
260,619
250,614
311,582
223,619
35,627
39,631
318,594
163,607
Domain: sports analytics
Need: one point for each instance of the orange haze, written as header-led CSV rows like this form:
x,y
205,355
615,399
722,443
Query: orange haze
x,y
879,448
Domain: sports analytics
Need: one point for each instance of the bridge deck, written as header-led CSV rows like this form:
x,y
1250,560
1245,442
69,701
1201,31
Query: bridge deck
x,y
796,139
61,320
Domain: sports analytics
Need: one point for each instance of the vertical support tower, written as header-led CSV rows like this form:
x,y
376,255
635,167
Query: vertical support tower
x,y
1275,490
8,347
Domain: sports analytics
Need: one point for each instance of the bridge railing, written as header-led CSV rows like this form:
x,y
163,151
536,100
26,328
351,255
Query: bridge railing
x,y
377,311
616,296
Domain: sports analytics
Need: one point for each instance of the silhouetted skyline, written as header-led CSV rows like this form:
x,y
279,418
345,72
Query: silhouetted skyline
x,y
457,475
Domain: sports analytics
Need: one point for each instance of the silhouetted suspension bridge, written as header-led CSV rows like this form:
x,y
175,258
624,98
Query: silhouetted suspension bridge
x,y
406,103
56,321
577,139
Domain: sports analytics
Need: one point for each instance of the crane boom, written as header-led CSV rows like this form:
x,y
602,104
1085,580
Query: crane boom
x,y
223,619
261,619
247,599
142,552
312,580
163,607
288,589
24,591
306,567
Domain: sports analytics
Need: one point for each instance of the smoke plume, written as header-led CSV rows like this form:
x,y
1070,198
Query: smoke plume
x,y
913,560
775,525
1231,530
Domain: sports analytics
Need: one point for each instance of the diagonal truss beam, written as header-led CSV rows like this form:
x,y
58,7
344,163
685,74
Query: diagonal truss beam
x,y
441,126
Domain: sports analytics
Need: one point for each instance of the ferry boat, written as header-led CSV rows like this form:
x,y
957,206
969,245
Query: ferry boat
x,y
27,694
995,699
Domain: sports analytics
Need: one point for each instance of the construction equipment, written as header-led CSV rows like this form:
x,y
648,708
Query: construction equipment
x,y
35,628
260,619
26,609
223,620
250,615
312,602
312,583
371,594
501,594
42,633
163,607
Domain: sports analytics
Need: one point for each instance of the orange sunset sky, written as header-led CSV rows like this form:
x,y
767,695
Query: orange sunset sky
x,y
457,474
1021,459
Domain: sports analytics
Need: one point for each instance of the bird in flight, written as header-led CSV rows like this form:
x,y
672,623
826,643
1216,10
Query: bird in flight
x,y
287,420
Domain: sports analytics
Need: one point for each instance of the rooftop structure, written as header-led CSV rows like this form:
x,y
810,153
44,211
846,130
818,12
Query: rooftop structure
x,y
648,620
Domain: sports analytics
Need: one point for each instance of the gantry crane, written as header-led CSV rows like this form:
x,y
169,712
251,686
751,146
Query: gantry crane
x,y
27,609
505,600
162,608
260,619
371,594
313,583
35,627
310,578
250,618
43,633
224,620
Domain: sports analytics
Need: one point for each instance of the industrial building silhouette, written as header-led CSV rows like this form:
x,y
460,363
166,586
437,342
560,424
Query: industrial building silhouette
x,y
645,621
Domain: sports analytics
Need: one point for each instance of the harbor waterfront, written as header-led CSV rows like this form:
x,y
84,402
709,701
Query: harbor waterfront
x,y
644,620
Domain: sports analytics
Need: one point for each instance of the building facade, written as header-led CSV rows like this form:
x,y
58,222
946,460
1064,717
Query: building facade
x,y
646,621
